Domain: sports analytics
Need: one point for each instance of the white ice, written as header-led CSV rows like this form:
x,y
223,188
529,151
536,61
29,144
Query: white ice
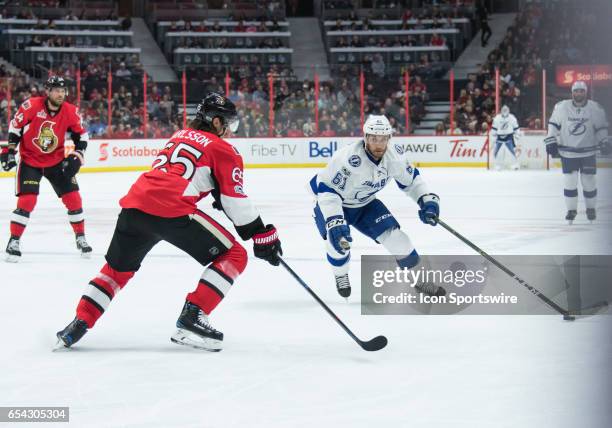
x,y
285,362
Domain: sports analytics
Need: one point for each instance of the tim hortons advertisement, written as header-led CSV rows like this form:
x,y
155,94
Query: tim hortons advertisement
x,y
600,75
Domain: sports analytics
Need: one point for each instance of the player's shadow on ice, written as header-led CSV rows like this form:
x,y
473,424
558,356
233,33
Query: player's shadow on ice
x,y
157,349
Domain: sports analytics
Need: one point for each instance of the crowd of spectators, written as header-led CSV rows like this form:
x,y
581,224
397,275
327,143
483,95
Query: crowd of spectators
x,y
251,26
542,36
26,11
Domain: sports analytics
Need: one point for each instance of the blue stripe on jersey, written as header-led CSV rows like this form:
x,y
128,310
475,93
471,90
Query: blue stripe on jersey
x,y
415,173
555,125
321,188
400,185
599,129
324,188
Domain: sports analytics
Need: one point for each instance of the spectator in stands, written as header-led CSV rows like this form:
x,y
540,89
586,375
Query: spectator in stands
x,y
437,40
123,71
378,66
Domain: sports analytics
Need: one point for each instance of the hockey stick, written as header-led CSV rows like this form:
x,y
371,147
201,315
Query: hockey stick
x,y
533,290
375,344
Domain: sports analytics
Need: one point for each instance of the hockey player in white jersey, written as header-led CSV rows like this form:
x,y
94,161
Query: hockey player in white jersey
x,y
505,133
346,196
577,130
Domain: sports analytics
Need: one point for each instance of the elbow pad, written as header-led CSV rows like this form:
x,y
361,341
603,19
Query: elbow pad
x,y
78,143
14,138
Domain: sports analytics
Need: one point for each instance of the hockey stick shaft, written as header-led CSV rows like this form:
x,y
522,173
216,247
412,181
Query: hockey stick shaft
x,y
375,344
319,301
521,281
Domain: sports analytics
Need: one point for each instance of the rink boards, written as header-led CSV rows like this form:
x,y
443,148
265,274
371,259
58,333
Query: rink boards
x,y
425,151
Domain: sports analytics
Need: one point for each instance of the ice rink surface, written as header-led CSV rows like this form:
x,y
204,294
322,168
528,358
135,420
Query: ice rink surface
x,y
285,362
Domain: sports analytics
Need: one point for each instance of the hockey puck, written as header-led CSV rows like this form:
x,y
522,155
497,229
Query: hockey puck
x,y
569,318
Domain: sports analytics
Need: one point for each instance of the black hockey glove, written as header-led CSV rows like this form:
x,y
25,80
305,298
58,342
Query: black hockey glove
x,y
72,164
267,246
552,147
605,147
7,159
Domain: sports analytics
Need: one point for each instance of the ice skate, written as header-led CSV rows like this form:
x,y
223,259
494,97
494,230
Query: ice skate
x,y
13,252
83,246
195,331
430,289
591,214
71,334
343,285
570,216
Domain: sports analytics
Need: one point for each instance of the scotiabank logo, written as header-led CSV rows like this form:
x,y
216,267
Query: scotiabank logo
x,y
103,152
126,152
592,74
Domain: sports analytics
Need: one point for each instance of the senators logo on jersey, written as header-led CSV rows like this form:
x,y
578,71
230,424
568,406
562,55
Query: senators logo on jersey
x,y
47,140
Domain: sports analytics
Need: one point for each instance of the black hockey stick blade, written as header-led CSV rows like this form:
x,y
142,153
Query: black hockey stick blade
x,y
375,344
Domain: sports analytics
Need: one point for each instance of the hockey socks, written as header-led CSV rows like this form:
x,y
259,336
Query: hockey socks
x,y
21,215
218,278
99,293
74,204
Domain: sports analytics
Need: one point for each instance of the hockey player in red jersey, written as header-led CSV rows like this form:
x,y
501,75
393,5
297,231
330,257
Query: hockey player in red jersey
x,y
38,130
161,205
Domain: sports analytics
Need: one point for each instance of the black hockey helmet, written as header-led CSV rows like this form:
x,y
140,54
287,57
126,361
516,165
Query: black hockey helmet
x,y
55,82
216,105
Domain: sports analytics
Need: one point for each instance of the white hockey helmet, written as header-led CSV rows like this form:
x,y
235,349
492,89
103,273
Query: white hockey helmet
x,y
377,125
505,111
579,84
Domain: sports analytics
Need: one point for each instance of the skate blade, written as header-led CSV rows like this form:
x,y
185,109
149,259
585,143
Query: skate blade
x,y
86,255
10,258
187,338
60,346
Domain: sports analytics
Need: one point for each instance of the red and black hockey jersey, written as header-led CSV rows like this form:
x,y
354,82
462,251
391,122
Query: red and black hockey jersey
x,y
43,132
193,164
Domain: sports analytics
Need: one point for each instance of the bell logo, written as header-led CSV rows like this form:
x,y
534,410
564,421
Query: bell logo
x,y
103,152
568,77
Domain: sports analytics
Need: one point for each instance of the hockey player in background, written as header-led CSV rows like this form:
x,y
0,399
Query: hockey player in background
x,y
38,131
577,130
161,206
505,133
346,196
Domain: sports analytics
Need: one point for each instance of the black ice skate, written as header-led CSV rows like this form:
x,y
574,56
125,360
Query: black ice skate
x,y
13,253
195,331
570,216
71,334
430,289
343,285
591,214
83,246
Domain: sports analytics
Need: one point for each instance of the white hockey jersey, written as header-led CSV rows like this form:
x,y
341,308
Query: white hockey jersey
x,y
579,129
352,178
502,127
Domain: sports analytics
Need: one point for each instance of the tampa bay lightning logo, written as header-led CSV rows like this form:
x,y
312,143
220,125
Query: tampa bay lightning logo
x,y
399,150
354,161
577,128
